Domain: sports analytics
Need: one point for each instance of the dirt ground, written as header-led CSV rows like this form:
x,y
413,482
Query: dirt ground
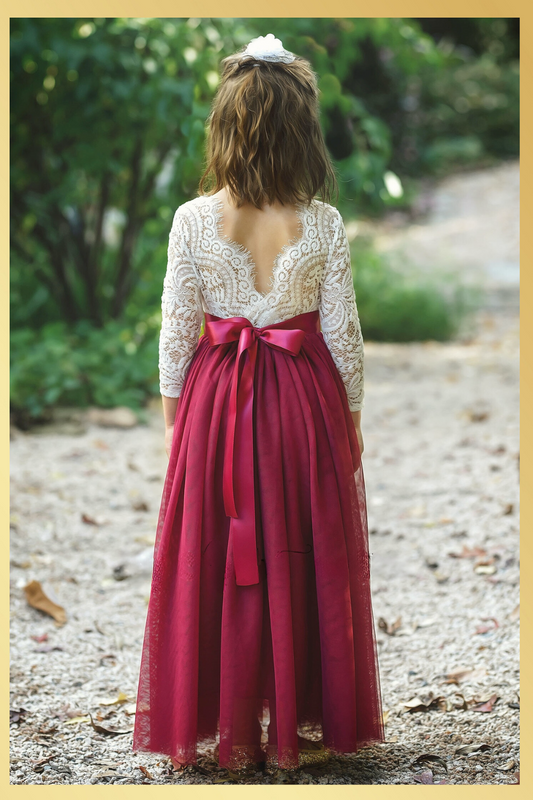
x,y
441,462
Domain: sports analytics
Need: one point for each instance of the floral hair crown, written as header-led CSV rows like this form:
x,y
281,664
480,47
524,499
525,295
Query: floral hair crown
x,y
268,48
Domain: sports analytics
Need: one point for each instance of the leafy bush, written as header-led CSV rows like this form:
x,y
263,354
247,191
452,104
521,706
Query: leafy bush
x,y
111,366
394,307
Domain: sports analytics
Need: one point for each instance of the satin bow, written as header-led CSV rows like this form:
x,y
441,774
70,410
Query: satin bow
x,y
238,471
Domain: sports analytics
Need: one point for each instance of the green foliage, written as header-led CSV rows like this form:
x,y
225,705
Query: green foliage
x,y
108,130
82,366
394,307
107,139
398,98
107,136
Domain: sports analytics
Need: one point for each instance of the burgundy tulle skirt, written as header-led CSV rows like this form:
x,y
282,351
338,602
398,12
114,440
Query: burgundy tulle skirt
x,y
253,666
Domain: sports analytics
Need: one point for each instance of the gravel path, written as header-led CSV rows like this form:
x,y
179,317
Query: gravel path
x,y
441,466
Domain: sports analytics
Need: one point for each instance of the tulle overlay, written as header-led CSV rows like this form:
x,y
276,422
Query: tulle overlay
x,y
251,667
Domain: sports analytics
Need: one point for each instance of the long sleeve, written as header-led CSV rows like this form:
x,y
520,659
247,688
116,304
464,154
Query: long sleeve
x,y
339,317
181,307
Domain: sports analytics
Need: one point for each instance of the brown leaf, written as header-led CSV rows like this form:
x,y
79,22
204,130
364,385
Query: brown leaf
x,y
145,772
466,749
38,765
37,598
88,519
466,674
429,757
508,509
487,705
107,731
16,714
43,731
389,628
428,703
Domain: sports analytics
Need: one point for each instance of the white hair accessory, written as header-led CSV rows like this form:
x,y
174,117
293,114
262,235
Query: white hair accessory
x,y
268,48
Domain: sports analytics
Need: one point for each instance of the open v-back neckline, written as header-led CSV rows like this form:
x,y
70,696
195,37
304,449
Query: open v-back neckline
x,y
246,254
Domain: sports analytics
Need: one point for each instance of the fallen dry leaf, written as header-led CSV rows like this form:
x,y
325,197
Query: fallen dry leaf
x,y
113,701
510,764
466,674
74,720
145,772
16,714
88,519
37,765
466,749
428,703
487,705
108,731
387,627
37,598
429,757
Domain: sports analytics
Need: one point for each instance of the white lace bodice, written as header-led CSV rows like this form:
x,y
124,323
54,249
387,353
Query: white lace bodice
x,y
208,272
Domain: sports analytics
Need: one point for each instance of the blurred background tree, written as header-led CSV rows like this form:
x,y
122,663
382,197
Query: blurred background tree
x,y
107,139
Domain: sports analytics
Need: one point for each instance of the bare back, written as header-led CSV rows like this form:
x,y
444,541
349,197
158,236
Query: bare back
x,y
264,233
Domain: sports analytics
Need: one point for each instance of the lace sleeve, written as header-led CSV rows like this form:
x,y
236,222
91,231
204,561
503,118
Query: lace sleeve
x,y
339,318
181,309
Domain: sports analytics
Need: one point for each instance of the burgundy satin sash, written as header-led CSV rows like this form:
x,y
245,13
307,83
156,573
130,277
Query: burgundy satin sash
x,y
238,471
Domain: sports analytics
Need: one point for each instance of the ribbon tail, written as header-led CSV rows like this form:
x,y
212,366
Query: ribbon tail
x,y
228,483
243,529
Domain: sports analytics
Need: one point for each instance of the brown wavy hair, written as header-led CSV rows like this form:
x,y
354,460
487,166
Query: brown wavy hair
x,y
264,140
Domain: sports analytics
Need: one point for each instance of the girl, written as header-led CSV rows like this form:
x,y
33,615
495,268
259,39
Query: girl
x,y
259,636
